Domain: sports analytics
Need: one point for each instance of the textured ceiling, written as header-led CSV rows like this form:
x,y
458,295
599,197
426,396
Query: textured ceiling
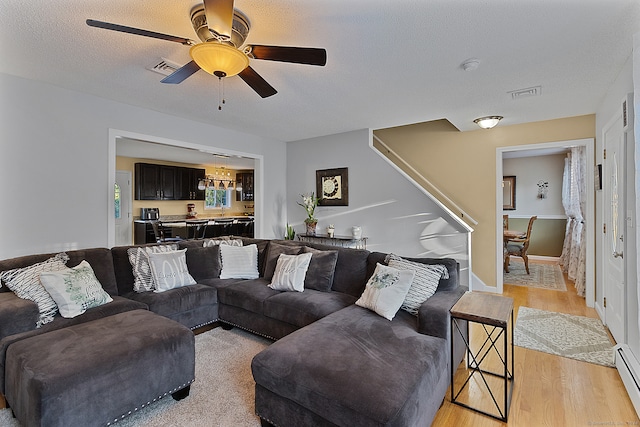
x,y
389,63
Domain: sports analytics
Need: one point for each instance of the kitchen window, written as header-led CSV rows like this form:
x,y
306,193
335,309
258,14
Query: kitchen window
x,y
215,198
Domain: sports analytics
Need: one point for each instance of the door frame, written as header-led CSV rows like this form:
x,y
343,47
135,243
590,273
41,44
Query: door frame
x,y
589,144
600,306
115,134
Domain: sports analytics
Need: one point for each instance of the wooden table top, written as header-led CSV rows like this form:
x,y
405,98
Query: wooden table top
x,y
484,308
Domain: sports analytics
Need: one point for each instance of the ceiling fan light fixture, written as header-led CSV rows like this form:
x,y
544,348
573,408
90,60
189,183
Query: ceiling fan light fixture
x,y
487,122
219,59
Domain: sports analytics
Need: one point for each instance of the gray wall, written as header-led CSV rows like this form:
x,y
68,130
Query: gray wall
x,y
54,164
394,215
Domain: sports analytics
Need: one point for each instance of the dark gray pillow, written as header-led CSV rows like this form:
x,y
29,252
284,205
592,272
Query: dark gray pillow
x,y
321,268
273,252
204,263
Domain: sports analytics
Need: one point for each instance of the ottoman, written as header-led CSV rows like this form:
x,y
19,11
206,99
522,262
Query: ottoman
x,y
98,372
352,368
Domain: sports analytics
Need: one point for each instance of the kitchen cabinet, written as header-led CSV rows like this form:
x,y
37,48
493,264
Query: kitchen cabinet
x,y
161,182
245,180
187,184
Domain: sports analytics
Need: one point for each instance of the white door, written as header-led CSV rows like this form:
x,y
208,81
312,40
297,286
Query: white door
x,y
614,211
124,223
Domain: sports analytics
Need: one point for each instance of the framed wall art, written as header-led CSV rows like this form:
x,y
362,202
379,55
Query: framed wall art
x,y
332,187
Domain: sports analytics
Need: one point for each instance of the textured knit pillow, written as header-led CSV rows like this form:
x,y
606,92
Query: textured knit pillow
x,y
290,272
25,283
75,289
385,291
239,262
139,259
425,282
274,250
169,270
321,269
215,242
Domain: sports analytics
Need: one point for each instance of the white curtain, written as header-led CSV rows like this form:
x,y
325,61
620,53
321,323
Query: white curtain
x,y
574,190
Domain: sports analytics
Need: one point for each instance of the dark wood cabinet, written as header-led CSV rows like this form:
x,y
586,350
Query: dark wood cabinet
x,y
160,182
245,180
187,184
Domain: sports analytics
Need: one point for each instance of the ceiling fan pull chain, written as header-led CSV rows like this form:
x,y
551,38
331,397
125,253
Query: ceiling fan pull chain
x,y
220,93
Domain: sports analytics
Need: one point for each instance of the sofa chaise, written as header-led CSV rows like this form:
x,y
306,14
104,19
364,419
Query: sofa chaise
x,y
331,343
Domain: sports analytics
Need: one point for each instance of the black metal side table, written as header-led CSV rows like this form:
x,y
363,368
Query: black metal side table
x,y
493,312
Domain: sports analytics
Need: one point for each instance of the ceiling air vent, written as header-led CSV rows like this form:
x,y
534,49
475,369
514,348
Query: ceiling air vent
x,y
524,93
165,67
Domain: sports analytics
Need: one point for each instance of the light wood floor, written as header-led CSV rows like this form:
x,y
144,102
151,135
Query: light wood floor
x,y
551,390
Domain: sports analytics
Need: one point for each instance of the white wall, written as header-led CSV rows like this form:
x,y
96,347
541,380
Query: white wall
x,y
528,171
608,109
54,164
394,215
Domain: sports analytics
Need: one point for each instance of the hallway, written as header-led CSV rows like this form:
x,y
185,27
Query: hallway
x,y
552,390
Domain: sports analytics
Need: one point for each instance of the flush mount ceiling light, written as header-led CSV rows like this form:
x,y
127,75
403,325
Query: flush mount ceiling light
x,y
487,122
219,59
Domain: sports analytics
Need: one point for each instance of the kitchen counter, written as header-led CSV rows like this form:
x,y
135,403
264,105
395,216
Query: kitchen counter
x,y
216,227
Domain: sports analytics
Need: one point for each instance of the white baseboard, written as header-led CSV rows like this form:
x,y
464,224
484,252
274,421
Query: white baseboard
x,y
478,285
629,370
544,258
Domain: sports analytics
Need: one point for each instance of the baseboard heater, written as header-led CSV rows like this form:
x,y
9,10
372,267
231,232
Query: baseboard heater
x,y
629,370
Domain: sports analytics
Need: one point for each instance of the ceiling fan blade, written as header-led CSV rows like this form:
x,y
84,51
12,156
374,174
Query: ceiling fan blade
x,y
181,74
257,83
219,15
297,55
139,32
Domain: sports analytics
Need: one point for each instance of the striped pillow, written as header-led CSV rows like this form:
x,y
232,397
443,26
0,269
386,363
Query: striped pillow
x,y
25,283
139,259
425,281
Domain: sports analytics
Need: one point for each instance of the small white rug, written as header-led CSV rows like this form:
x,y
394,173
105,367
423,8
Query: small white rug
x,y
543,275
222,395
576,337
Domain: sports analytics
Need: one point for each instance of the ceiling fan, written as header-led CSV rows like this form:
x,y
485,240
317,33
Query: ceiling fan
x,y
223,31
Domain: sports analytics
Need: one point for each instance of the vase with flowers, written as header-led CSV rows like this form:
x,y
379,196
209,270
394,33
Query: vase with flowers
x,y
309,203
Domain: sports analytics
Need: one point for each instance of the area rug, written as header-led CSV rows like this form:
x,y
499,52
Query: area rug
x,y
566,335
221,396
543,275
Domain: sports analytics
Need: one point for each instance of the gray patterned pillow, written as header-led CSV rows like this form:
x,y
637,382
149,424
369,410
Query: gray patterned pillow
x,y
25,283
215,242
425,281
139,259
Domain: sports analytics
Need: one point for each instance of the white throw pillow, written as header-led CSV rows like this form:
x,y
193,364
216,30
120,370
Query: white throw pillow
x,y
25,283
290,272
139,259
385,290
169,270
239,262
75,289
425,282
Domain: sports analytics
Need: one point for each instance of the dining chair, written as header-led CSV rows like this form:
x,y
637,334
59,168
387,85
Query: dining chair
x,y
518,247
505,222
196,229
160,233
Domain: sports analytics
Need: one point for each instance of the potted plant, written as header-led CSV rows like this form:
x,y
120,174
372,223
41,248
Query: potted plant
x,y
290,233
309,203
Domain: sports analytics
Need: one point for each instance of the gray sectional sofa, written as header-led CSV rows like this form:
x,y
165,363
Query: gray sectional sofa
x,y
332,363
